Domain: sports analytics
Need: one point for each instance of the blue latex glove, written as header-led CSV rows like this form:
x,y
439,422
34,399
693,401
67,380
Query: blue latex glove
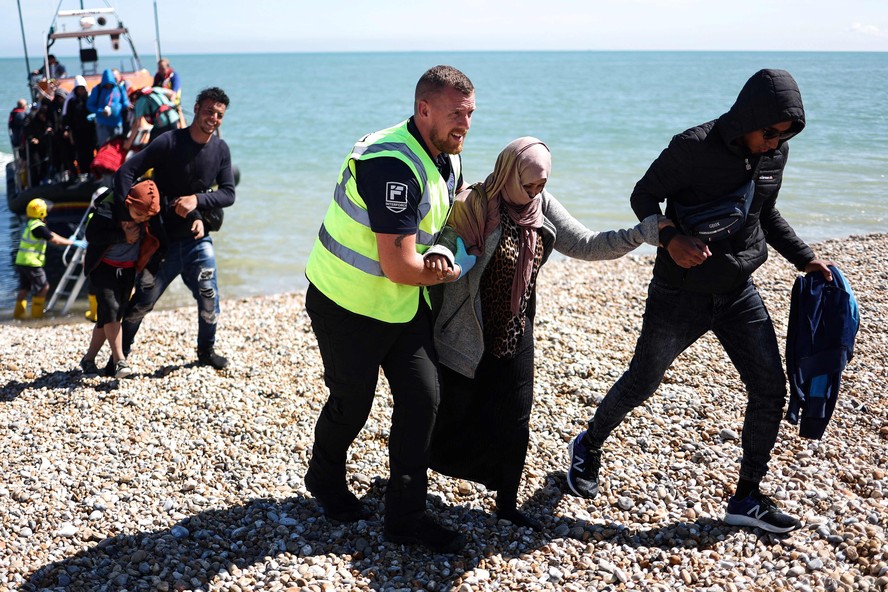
x,y
91,117
80,243
465,261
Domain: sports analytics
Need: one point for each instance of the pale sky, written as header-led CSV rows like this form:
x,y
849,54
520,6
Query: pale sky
x,y
230,26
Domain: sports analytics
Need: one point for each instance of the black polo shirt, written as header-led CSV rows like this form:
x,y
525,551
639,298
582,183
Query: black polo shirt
x,y
382,183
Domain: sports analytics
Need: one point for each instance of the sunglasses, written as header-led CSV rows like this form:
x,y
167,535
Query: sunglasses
x,y
769,133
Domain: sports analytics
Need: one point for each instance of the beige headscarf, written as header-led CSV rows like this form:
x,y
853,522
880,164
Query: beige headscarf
x,y
524,160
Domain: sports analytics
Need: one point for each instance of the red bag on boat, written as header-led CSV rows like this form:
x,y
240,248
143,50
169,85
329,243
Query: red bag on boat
x,y
108,158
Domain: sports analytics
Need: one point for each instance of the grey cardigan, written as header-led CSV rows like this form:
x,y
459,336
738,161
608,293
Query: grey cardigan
x,y
459,337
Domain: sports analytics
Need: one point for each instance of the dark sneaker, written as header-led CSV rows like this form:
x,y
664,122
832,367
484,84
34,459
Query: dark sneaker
x,y
582,476
89,367
518,518
426,532
211,358
337,504
109,367
122,369
760,511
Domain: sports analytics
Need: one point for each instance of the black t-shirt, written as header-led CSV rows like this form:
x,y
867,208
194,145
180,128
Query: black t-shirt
x,y
42,232
391,191
181,167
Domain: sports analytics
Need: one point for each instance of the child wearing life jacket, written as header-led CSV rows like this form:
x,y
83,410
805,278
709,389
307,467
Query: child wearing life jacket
x,y
120,246
31,259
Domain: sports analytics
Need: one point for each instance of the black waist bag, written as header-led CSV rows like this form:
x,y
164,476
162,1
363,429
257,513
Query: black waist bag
x,y
719,219
213,218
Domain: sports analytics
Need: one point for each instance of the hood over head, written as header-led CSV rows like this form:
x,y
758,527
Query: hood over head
x,y
108,76
79,81
768,97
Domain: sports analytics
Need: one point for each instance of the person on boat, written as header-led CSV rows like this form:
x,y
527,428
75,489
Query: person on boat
x,y
127,114
720,182
56,69
62,149
166,77
369,310
16,126
122,82
152,106
109,103
80,127
38,139
192,169
118,249
31,259
484,324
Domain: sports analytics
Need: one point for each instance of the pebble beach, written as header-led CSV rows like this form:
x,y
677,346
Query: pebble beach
x,y
184,478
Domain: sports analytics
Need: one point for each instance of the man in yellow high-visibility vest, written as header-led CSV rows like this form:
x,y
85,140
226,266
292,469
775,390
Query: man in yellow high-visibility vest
x,y
31,258
369,308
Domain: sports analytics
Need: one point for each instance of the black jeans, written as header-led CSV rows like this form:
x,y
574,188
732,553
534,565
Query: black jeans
x,y
353,348
673,320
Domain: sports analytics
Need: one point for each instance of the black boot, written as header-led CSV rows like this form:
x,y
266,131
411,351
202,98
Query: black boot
x,y
338,503
518,518
426,532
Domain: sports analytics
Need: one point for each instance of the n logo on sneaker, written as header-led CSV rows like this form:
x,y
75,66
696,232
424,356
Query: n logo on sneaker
x,y
757,511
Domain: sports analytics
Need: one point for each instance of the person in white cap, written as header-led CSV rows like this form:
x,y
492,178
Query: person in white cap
x,y
80,129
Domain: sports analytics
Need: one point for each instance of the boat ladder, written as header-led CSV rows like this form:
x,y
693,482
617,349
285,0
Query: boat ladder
x,y
74,277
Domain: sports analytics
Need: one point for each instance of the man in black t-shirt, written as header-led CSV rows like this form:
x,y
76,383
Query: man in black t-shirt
x,y
192,170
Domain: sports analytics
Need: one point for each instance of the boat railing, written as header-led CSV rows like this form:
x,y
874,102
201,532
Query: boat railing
x,y
92,25
74,277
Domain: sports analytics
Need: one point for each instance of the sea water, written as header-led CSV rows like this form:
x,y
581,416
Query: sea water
x,y
604,115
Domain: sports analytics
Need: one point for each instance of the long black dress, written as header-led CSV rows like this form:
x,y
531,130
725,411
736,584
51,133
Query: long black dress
x,y
482,429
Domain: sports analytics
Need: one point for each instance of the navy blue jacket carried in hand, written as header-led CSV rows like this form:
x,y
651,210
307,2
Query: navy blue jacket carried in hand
x,y
823,322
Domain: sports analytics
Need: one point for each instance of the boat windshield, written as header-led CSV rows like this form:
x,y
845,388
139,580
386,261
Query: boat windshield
x,y
100,41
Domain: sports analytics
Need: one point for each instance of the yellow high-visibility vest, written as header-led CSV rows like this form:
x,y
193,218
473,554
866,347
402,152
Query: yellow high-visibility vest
x,y
32,250
344,261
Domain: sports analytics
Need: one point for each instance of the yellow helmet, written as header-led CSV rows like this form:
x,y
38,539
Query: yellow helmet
x,y
36,208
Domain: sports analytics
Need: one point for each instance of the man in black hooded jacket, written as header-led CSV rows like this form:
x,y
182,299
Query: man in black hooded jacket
x,y
701,280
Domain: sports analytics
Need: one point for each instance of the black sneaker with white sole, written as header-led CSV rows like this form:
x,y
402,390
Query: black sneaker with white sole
x,y
585,463
759,511
122,369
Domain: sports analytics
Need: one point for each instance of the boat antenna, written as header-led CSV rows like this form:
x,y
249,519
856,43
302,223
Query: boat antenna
x,y
24,42
156,34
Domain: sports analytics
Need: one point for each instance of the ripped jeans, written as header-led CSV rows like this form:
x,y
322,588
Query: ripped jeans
x,y
195,261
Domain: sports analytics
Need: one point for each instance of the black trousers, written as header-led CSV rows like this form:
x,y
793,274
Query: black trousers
x,y
482,430
353,348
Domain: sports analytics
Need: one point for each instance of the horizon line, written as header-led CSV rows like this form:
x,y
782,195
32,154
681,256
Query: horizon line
x,y
402,51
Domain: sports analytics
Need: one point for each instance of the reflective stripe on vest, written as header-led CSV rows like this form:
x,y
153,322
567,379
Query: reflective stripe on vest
x,y
32,250
344,262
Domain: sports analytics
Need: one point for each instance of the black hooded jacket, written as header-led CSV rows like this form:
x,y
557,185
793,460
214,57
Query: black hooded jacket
x,y
710,161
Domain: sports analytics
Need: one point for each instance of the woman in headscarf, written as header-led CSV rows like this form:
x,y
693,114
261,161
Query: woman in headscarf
x,y
484,323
